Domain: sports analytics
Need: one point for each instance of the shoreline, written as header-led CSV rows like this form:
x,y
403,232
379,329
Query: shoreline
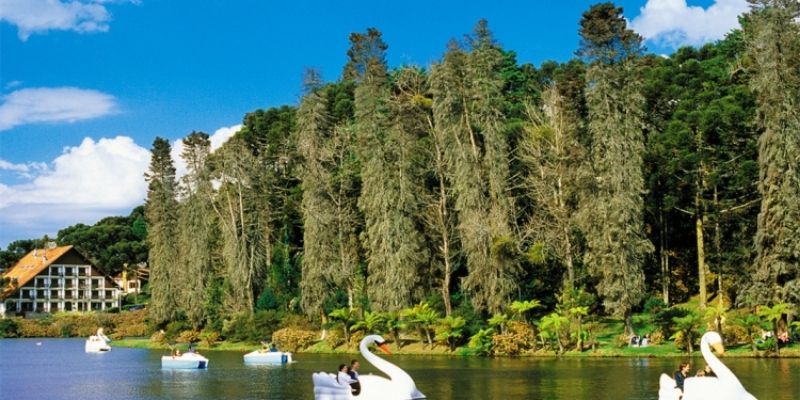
x,y
653,351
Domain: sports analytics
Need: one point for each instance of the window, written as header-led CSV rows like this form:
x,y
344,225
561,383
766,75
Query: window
x,y
54,294
53,307
68,306
95,306
82,271
108,305
68,271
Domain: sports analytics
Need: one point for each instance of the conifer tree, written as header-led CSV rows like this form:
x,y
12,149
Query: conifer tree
x,y
195,222
772,33
161,215
612,213
388,200
467,94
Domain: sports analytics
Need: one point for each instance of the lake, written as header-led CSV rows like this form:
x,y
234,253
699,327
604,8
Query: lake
x,y
59,369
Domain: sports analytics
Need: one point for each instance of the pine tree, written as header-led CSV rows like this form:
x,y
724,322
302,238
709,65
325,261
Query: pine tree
x,y
553,156
319,257
388,201
195,226
161,215
773,45
467,106
612,212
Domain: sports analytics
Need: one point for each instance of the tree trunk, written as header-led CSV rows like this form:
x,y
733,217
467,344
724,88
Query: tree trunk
x,y
701,258
664,252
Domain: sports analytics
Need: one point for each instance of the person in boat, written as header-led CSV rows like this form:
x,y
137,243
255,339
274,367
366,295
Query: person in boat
x,y
707,371
176,353
343,377
680,374
354,366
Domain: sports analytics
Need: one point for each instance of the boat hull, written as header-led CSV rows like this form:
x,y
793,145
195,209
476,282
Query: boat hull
x,y
270,357
184,362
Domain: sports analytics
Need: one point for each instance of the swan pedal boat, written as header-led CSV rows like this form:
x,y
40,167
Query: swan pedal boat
x,y
97,343
725,386
184,361
399,385
268,357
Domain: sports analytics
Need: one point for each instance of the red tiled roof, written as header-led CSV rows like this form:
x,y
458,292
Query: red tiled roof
x,y
29,266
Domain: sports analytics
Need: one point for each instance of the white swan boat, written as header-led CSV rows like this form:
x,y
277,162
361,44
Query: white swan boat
x,y
187,360
725,386
267,357
399,385
97,343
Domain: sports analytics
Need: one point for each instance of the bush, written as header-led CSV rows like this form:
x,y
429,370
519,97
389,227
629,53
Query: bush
x,y
238,328
334,338
31,328
734,334
8,328
355,339
621,341
209,337
159,337
654,305
189,336
664,319
290,339
656,338
130,323
265,323
519,338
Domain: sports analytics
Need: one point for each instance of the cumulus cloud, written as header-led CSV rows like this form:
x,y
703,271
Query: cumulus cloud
x,y
40,16
25,170
60,104
104,174
674,23
217,139
87,182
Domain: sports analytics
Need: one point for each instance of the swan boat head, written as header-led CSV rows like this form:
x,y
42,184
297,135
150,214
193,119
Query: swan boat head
x,y
714,341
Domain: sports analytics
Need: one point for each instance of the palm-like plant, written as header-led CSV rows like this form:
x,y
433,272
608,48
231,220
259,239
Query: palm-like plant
x,y
551,326
577,313
424,318
773,315
450,330
753,325
498,321
481,341
716,315
347,317
687,329
394,324
372,323
521,307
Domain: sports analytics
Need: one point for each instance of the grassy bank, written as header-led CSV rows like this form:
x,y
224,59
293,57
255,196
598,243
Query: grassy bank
x,y
417,348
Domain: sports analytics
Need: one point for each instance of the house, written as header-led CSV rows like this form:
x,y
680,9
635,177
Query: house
x,y
57,278
132,282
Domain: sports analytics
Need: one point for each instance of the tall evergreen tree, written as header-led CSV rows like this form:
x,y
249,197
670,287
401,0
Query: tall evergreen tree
x,y
467,92
612,213
314,125
161,214
553,156
773,46
388,200
195,221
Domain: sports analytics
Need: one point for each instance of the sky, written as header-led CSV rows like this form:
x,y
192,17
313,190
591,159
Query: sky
x,y
87,85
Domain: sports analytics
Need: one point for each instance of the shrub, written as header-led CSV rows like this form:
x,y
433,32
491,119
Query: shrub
x,y
519,338
656,337
238,328
481,342
621,341
188,336
334,338
175,328
265,322
209,337
734,334
159,337
355,339
8,328
31,328
290,339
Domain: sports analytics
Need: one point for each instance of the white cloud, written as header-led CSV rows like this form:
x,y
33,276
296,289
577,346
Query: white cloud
x,y
673,23
105,174
60,104
218,138
40,16
24,170
85,183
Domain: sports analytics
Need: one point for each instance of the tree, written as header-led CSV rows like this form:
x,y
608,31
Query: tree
x,y
387,151
553,155
774,315
773,46
612,214
467,106
450,330
161,214
195,226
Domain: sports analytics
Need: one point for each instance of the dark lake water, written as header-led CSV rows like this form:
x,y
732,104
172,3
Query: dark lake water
x,y
59,369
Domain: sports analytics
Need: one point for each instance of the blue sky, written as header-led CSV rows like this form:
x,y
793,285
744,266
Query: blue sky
x,y
86,85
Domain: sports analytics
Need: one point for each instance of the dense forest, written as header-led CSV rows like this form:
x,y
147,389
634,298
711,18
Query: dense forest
x,y
611,181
